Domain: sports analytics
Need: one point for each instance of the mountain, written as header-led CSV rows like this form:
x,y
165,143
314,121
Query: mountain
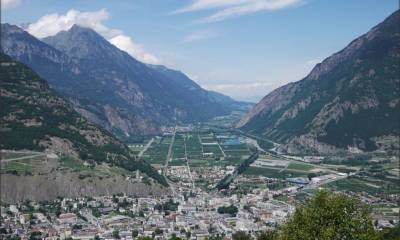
x,y
351,99
215,97
108,86
33,117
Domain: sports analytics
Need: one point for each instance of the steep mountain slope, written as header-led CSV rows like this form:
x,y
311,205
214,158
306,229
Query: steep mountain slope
x,y
108,86
351,99
33,117
189,85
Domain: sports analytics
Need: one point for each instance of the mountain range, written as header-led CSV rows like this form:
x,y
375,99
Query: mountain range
x,y
33,117
111,88
349,101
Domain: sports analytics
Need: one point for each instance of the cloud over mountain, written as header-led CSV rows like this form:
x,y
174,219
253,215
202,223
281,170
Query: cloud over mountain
x,y
51,24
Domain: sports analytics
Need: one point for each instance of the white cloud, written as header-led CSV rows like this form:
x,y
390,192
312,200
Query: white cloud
x,y
51,24
126,43
243,91
208,4
238,86
7,4
200,35
233,8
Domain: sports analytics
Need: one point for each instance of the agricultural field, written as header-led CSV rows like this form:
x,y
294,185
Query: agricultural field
x,y
157,153
370,185
29,164
21,163
178,148
274,172
300,166
136,148
86,170
193,146
385,212
375,174
281,168
201,147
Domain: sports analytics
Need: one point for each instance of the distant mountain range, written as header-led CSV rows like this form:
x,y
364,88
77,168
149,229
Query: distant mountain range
x,y
111,88
33,117
349,101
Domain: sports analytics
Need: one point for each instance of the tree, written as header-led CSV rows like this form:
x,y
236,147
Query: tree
x,y
268,235
391,234
232,210
215,237
96,212
329,216
35,236
158,231
240,235
135,233
115,234
174,237
145,238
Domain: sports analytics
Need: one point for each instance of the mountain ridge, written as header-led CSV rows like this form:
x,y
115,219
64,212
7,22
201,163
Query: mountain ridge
x,y
33,117
110,87
354,89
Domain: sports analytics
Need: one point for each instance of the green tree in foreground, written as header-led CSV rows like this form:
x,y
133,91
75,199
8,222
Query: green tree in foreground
x,y
145,238
240,235
329,216
391,234
174,237
115,234
268,235
216,237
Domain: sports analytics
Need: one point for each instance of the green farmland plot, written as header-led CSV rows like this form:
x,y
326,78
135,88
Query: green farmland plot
x,y
369,185
17,167
193,147
300,166
274,172
158,151
235,154
20,163
213,150
178,149
177,162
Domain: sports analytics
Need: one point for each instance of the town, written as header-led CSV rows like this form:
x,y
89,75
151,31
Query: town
x,y
194,162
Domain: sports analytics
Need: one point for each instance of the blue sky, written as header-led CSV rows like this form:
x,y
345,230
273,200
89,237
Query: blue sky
x,y
243,48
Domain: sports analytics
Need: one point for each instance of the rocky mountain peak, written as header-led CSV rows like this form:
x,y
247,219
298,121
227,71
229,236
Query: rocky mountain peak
x,y
389,25
80,42
348,100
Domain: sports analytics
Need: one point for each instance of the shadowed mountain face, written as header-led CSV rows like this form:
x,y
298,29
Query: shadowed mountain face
x,y
351,99
108,86
33,117
186,84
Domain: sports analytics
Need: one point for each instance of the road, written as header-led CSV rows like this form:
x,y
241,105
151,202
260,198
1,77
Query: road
x,y
170,151
23,158
201,144
165,168
220,148
287,165
146,147
187,163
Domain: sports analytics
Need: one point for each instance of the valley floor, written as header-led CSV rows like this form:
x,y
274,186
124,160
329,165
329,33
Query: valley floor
x,y
105,201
